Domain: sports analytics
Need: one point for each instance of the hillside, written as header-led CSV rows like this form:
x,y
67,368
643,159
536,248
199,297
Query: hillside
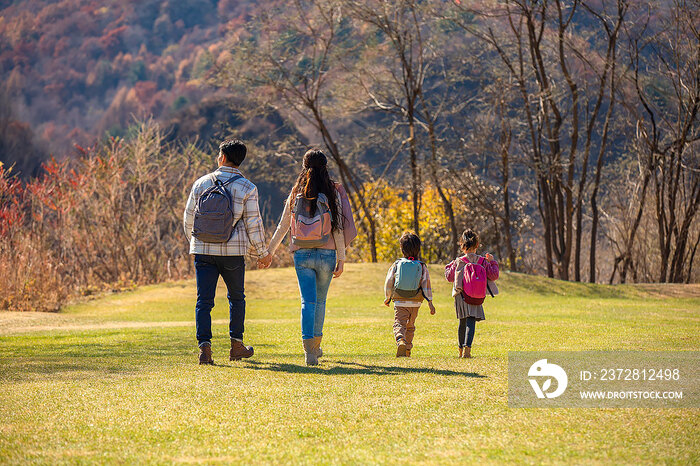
x,y
74,69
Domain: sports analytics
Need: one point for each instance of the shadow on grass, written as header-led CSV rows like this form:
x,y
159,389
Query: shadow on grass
x,y
53,369
351,368
81,361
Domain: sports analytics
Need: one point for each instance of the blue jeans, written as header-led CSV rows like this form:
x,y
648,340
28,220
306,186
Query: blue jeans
x,y
314,270
232,270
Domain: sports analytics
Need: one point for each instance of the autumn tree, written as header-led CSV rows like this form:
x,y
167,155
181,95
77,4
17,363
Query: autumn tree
x,y
666,80
563,84
289,58
394,76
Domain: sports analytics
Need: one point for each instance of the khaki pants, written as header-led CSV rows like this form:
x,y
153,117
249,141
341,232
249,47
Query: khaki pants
x,y
405,324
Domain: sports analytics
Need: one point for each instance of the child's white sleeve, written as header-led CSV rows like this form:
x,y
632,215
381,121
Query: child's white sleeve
x,y
426,285
389,282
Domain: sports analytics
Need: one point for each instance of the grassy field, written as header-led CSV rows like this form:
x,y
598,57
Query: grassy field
x,y
115,380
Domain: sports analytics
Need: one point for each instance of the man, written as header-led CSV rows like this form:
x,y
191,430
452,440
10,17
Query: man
x,y
228,258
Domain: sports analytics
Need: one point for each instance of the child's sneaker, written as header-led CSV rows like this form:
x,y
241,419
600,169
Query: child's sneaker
x,y
401,349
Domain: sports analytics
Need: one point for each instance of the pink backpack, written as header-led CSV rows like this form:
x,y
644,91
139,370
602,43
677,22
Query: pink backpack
x,y
474,281
311,221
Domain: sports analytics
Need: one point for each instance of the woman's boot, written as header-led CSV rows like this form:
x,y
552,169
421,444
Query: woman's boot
x,y
310,352
461,351
319,351
467,351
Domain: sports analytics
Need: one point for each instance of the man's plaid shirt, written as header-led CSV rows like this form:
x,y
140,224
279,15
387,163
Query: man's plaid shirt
x,y
248,232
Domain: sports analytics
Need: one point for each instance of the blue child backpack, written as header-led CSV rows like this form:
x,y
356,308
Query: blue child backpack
x,y
213,214
407,278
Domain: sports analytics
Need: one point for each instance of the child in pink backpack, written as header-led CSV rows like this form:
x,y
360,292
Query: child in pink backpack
x,y
472,279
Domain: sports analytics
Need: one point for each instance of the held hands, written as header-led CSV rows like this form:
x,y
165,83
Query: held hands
x,y
488,257
265,262
432,308
387,302
338,269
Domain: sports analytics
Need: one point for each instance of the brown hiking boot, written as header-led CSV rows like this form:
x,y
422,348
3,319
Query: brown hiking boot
x,y
205,355
408,353
401,349
239,351
461,352
467,352
310,352
317,345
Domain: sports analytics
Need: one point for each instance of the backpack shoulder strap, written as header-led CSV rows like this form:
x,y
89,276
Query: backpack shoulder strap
x,y
481,260
395,266
293,203
231,180
489,289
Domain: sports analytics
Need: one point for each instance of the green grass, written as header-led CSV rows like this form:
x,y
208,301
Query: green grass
x,y
115,380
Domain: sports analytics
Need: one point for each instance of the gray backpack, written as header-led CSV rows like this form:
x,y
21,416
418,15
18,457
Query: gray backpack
x,y
213,214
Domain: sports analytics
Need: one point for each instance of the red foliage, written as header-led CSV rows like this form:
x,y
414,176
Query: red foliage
x,y
61,47
62,50
111,41
11,202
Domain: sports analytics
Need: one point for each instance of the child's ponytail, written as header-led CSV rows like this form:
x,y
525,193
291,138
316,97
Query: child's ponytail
x,y
469,239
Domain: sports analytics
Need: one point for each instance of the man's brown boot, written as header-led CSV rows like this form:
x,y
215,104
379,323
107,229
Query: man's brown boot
x,y
239,351
205,355
317,345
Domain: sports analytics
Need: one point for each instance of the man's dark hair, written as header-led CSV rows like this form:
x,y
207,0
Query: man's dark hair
x,y
410,245
234,151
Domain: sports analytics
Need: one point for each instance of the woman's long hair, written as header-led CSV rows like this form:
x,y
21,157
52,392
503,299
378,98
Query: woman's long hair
x,y
314,179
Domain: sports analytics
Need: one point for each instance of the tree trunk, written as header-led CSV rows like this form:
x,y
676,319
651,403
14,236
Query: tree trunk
x,y
348,180
505,138
506,221
679,254
544,214
599,165
635,226
446,203
415,177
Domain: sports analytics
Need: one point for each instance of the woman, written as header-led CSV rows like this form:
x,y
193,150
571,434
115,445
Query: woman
x,y
319,215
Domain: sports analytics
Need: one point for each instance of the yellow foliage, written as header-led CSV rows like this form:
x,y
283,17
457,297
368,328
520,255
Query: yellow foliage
x,y
392,210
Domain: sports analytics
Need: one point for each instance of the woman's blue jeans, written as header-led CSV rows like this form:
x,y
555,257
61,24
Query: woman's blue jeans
x,y
314,270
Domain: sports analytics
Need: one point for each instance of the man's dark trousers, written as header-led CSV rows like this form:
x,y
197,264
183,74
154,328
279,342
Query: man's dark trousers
x,y
232,270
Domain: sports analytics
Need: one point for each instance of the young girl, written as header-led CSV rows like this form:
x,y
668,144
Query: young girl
x,y
467,313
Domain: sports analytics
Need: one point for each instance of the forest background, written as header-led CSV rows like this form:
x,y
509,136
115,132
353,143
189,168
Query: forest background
x,y
565,132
